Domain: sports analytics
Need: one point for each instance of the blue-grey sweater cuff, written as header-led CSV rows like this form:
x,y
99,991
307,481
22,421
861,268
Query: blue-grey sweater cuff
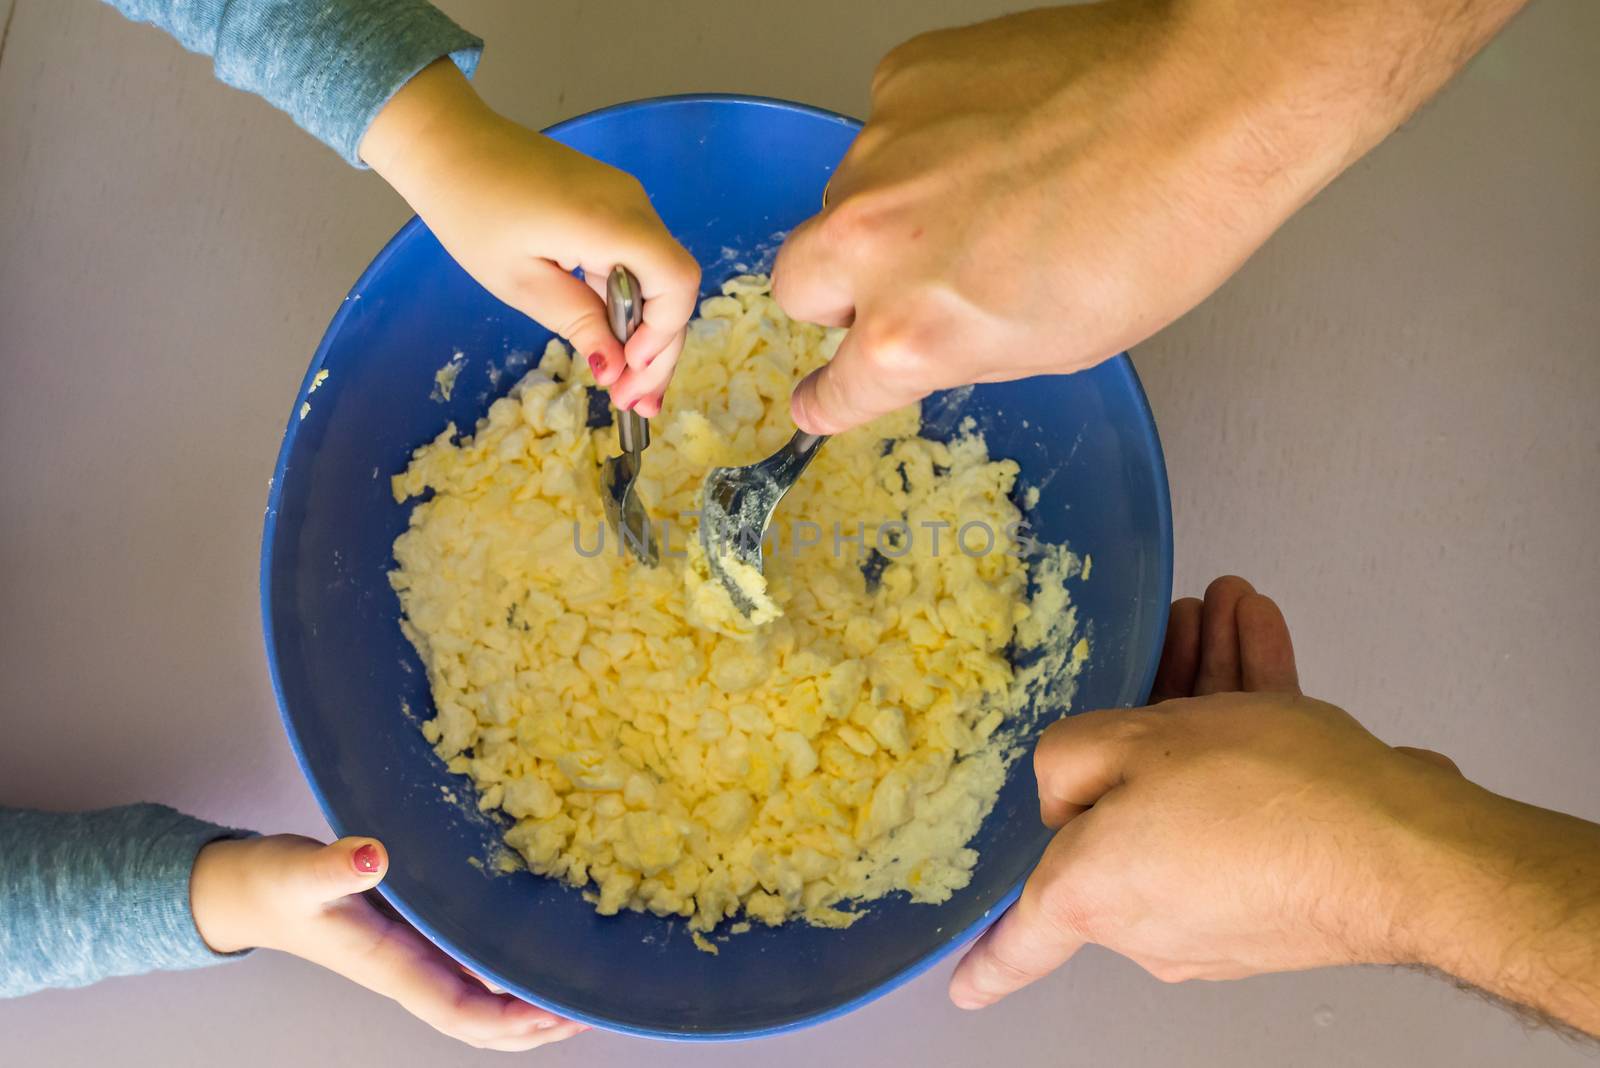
x,y
89,895
170,858
350,60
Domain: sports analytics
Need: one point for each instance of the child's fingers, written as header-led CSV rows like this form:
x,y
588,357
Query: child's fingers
x,y
348,866
537,1039
490,987
649,342
670,281
638,384
404,966
667,361
572,309
390,958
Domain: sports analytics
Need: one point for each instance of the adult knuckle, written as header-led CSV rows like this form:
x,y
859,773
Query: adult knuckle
x,y
1170,971
784,280
894,354
1126,735
1161,972
891,65
873,136
848,224
1067,912
898,61
1044,759
903,341
1136,730
1004,973
1049,751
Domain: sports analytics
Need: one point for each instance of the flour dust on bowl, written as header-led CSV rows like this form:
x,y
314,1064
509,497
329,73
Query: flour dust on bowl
x,y
417,345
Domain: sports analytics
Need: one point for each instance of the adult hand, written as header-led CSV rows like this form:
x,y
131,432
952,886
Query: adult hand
x,y
1238,827
520,212
1231,830
302,897
1040,192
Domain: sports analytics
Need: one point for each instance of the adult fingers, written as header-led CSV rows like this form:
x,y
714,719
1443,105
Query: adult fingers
x,y
1035,936
399,963
1180,654
1266,652
1219,671
857,385
566,305
1080,758
809,281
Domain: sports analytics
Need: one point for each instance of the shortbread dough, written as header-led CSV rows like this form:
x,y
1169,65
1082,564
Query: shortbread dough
x,y
656,748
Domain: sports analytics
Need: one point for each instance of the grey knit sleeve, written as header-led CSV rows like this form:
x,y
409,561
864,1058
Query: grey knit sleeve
x,y
330,64
88,895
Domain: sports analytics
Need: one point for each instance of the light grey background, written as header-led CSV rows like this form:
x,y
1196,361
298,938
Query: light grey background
x,y
1387,420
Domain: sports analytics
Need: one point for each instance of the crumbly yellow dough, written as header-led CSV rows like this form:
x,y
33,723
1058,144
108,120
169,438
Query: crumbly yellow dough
x,y
658,748
444,379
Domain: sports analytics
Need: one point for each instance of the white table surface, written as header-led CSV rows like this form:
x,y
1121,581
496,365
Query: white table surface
x,y
1388,420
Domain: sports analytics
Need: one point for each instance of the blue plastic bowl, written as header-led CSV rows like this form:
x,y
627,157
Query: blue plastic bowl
x,y
728,175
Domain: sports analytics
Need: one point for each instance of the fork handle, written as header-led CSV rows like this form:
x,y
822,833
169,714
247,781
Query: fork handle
x,y
794,456
625,310
624,303
633,432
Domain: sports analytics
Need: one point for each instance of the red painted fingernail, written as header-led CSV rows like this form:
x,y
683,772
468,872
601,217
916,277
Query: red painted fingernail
x,y
366,859
597,363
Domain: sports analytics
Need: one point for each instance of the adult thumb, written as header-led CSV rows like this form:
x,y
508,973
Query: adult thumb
x,y
857,385
340,869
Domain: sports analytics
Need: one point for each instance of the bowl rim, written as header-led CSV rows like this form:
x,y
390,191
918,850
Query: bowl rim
x,y
955,941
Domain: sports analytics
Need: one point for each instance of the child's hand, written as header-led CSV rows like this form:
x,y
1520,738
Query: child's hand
x,y
520,211
302,897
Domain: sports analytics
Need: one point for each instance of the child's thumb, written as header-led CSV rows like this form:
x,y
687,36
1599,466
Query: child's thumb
x,y
555,298
348,866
